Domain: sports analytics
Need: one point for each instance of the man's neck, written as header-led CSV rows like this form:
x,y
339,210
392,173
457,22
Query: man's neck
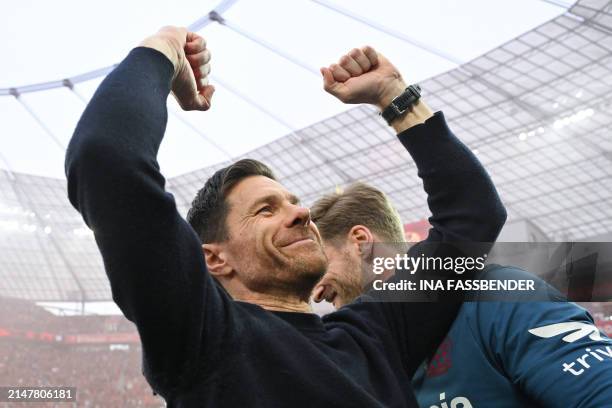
x,y
275,303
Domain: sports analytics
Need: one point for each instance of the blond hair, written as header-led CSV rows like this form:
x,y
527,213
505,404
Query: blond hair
x,y
360,204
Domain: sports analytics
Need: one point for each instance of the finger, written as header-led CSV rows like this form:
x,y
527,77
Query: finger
x,y
197,60
340,74
371,54
195,44
205,69
205,97
206,55
202,71
328,78
349,64
361,59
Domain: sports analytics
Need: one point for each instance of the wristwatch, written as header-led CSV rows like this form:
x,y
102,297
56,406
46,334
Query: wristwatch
x,y
400,104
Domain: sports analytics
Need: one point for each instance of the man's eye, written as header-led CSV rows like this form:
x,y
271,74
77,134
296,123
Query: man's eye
x,y
267,208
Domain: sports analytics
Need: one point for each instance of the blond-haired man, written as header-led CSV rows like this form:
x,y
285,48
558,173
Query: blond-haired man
x,y
517,351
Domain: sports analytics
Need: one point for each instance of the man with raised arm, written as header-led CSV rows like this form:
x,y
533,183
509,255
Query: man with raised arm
x,y
221,302
526,349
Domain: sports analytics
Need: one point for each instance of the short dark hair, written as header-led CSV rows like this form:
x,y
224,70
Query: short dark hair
x,y
209,209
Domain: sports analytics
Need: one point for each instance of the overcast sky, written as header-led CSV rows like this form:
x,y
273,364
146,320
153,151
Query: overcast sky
x,y
44,41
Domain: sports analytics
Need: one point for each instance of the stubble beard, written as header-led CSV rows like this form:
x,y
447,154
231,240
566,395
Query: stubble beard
x,y
307,275
350,284
289,277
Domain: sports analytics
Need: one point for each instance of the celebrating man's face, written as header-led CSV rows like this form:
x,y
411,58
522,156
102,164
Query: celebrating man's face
x,y
273,246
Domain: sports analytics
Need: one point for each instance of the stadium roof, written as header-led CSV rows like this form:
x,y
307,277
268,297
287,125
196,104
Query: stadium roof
x,y
266,59
536,109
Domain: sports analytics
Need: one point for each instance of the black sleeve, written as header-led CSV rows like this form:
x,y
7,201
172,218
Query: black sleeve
x,y
151,255
462,199
465,208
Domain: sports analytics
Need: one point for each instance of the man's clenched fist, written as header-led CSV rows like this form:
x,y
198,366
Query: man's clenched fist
x,y
363,76
187,52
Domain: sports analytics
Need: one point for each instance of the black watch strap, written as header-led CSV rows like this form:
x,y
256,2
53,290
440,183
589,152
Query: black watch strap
x,y
400,104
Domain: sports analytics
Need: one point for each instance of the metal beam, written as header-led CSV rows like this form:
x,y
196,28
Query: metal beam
x,y
391,32
263,43
43,86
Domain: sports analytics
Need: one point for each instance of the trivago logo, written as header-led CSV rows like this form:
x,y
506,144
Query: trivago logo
x,y
577,331
457,402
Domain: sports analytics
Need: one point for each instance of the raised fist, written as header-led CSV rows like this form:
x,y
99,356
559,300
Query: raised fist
x,y
363,76
191,59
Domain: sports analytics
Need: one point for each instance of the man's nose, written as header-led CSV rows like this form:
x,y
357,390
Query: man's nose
x,y
298,216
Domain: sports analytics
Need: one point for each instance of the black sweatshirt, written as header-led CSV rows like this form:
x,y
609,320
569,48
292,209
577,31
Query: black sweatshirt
x,y
200,347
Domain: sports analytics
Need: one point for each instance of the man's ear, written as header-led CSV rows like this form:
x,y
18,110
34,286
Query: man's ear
x,y
363,238
216,261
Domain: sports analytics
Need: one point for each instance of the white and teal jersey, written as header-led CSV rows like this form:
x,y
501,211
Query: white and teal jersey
x,y
518,354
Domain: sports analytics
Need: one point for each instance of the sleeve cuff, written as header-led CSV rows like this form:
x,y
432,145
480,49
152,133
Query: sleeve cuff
x,y
430,142
153,64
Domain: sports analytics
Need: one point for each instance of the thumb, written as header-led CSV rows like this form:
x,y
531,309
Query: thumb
x,y
205,96
328,78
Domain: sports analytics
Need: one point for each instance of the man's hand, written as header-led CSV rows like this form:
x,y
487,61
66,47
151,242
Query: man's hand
x,y
365,76
187,52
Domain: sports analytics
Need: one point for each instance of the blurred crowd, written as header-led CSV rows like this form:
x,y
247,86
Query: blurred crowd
x,y
102,378
104,375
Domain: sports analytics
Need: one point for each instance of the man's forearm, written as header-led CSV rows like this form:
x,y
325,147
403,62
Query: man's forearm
x,y
111,167
119,134
418,114
452,175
